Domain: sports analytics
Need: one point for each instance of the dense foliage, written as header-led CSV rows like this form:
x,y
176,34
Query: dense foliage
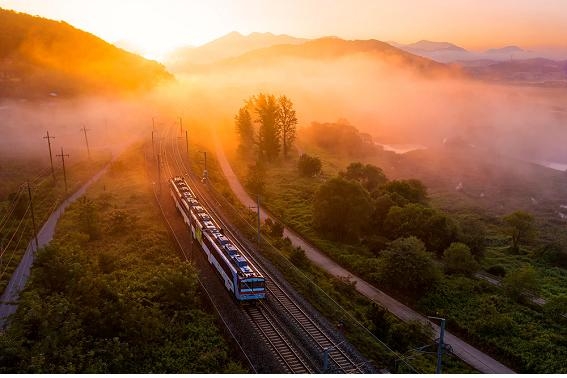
x,y
498,315
309,166
341,209
122,302
459,259
340,137
275,129
407,267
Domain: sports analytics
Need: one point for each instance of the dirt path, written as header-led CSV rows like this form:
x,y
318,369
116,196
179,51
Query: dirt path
x,y
464,351
8,301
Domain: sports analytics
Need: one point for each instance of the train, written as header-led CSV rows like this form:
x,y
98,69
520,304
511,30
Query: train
x,y
240,277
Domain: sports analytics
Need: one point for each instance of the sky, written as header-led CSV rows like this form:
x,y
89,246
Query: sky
x,y
154,27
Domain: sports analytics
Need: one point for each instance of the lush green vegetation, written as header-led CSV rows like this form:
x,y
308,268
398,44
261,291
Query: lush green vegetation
x,y
366,325
459,241
46,194
40,56
276,123
111,295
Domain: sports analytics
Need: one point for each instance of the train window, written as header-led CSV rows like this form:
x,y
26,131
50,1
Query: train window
x,y
252,284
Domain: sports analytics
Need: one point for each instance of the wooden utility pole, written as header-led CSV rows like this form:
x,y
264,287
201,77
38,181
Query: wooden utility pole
x,y
50,155
205,172
153,145
159,174
258,218
33,218
63,156
84,129
180,125
187,142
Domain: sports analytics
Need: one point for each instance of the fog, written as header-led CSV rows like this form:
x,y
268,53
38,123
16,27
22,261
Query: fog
x,y
393,103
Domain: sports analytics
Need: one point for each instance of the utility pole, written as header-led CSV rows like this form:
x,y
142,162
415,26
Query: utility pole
x,y
50,155
153,131
63,156
257,207
180,125
187,142
33,218
153,145
441,344
258,220
159,174
205,172
84,129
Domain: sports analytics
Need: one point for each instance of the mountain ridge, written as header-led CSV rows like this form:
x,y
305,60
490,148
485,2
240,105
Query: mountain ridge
x,y
41,57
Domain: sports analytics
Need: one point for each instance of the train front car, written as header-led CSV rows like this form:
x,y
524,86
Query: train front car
x,y
239,276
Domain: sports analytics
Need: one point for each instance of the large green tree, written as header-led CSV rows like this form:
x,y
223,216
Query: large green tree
x,y
406,266
520,281
458,259
369,176
433,227
245,128
287,122
267,111
412,190
521,228
341,209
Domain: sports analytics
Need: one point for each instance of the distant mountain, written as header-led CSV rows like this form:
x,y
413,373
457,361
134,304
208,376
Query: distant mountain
x,y
443,52
230,45
538,71
506,50
429,46
41,57
327,49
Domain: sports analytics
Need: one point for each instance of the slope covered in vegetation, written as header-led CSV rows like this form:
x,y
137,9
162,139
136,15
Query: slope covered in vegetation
x,y
41,57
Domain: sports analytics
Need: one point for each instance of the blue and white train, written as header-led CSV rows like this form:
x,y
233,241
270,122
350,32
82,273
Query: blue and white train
x,y
240,277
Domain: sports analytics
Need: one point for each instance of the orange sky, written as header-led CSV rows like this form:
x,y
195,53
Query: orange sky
x,y
153,27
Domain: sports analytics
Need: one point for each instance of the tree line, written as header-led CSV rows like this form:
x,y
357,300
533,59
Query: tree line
x,y
266,125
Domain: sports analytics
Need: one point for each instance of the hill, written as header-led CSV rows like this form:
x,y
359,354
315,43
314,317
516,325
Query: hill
x,y
328,49
539,71
41,57
230,45
430,46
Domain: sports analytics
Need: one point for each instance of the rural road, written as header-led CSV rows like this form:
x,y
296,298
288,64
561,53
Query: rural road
x,y
8,301
464,351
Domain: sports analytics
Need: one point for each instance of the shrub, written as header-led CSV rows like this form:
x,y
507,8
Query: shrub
x,y
309,166
497,270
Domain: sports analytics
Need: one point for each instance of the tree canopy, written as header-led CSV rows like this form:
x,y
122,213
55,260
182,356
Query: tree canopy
x,y
521,226
369,176
411,190
309,166
406,266
287,122
458,259
272,127
341,209
433,227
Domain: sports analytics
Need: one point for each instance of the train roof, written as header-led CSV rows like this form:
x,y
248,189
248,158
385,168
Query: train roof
x,y
224,244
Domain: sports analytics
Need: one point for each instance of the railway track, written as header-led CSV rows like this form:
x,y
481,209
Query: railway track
x,y
279,315
261,318
287,354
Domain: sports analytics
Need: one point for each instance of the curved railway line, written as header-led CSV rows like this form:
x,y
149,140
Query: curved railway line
x,y
297,340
